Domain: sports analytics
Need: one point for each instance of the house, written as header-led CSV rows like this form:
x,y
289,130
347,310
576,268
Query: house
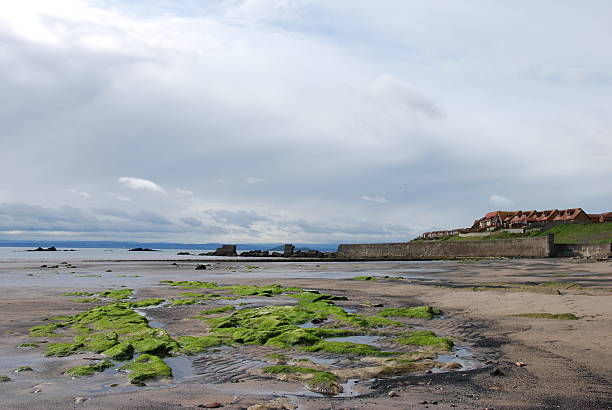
x,y
601,218
520,219
493,220
571,215
441,234
605,217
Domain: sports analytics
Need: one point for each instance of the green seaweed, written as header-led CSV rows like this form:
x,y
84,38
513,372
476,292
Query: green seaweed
x,y
4,378
314,378
146,367
121,351
558,316
28,345
367,321
78,294
422,312
193,344
117,294
357,349
84,300
424,338
89,369
372,278
278,358
293,337
314,296
98,342
185,284
47,330
215,311
23,369
62,349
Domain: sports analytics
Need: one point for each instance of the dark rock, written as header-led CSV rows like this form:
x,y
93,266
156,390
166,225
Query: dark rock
x,y
497,372
213,405
39,249
200,267
226,250
183,253
142,250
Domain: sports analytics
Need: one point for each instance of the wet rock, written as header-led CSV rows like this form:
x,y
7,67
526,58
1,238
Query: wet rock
x,y
200,267
142,250
4,378
183,253
23,369
276,404
39,249
497,372
392,393
213,405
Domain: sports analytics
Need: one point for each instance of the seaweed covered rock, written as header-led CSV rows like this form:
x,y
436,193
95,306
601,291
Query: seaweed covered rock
x,y
421,312
146,367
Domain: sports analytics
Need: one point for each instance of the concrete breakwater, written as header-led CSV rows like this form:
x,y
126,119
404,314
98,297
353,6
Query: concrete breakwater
x,y
537,247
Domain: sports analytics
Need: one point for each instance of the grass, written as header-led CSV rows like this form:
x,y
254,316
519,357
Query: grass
x,y
588,233
582,233
558,316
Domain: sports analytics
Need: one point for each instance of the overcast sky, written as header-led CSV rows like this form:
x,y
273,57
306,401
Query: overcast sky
x,y
298,120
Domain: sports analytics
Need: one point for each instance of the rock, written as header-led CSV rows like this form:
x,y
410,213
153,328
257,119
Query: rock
x,y
142,250
225,250
392,393
183,253
519,364
213,405
277,404
23,369
39,249
80,399
497,372
200,267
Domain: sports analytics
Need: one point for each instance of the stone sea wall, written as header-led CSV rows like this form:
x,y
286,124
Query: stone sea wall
x,y
597,251
537,247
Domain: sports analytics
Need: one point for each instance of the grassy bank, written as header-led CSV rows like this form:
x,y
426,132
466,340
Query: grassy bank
x,y
570,233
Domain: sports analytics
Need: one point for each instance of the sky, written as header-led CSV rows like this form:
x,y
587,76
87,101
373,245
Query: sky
x,y
310,121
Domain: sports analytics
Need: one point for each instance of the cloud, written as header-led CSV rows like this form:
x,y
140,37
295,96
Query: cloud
x,y
140,183
254,180
120,197
184,192
81,193
415,103
378,199
500,200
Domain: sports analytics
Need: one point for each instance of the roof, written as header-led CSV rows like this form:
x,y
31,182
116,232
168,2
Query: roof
x,y
567,214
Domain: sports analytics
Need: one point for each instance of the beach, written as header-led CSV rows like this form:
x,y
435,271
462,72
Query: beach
x,y
501,360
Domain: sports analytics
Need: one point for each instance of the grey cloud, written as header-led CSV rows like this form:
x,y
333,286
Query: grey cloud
x,y
191,93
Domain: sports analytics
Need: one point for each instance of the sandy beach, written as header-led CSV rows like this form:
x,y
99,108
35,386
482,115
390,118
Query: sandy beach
x,y
504,360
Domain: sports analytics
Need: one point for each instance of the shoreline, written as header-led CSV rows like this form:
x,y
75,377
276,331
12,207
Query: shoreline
x,y
563,367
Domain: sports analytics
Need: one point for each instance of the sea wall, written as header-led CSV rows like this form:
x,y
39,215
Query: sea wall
x,y
597,251
537,247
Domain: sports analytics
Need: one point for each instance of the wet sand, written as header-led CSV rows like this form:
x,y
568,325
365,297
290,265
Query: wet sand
x,y
568,363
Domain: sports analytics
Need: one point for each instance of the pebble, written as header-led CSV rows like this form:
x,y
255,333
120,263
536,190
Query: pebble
x,y
519,364
392,393
80,399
